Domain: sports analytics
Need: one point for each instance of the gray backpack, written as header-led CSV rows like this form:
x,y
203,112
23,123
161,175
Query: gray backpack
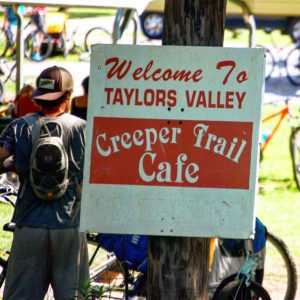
x,y
49,163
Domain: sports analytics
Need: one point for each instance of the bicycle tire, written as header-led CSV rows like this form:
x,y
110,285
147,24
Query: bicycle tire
x,y
270,63
111,275
31,44
2,91
239,290
3,268
69,47
280,274
96,35
4,46
292,66
295,154
110,279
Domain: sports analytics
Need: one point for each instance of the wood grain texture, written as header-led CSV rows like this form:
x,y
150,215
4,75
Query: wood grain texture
x,y
178,266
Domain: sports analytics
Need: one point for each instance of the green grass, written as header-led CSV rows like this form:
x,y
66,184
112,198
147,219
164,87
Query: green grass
x,y
90,13
278,202
241,37
6,212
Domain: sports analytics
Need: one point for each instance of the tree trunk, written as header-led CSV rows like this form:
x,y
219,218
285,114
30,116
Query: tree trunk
x,y
194,22
178,266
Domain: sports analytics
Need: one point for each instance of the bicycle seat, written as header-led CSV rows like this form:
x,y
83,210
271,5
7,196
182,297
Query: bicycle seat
x,y
9,226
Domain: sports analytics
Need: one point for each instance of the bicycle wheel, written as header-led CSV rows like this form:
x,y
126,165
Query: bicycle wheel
x,y
270,63
3,42
293,66
3,268
38,46
280,274
108,280
96,35
2,91
295,154
239,290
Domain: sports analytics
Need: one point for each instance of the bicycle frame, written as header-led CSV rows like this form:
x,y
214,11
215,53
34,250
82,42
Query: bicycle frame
x,y
281,114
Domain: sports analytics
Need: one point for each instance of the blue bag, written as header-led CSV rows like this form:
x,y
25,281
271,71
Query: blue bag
x,y
130,249
235,247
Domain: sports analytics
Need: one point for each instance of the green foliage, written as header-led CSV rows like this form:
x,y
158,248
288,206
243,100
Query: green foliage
x,y
88,291
90,12
240,37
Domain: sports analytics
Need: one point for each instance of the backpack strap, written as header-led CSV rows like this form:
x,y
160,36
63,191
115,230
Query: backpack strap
x,y
34,123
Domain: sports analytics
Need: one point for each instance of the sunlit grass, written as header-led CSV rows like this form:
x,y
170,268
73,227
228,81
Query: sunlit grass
x,y
279,200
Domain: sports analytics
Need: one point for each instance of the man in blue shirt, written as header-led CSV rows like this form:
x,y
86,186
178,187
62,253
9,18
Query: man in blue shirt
x,y
48,248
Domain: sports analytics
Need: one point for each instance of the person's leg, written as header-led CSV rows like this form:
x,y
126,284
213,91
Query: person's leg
x,y
27,275
69,262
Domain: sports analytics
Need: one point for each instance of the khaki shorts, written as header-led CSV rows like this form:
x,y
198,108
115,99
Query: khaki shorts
x,y
41,257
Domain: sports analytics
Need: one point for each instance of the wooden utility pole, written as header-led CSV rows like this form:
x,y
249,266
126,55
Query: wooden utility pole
x,y
178,266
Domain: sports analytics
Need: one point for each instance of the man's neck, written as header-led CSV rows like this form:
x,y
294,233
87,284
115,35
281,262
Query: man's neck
x,y
52,112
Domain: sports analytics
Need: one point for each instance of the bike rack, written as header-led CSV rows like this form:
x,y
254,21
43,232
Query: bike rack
x,y
249,20
122,19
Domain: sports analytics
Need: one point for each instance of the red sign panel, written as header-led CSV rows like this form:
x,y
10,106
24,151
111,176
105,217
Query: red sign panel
x,y
155,152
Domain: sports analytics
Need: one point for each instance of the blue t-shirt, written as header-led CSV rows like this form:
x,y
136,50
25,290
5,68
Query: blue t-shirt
x,y
30,211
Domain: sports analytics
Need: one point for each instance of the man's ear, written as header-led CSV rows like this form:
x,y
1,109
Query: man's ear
x,y
68,94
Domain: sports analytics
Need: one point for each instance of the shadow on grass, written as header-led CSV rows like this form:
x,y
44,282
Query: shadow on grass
x,y
282,184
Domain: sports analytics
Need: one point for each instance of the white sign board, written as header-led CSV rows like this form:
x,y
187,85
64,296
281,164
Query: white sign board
x,y
172,140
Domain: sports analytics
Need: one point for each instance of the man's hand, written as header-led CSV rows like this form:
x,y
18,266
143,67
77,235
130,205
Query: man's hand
x,y
7,162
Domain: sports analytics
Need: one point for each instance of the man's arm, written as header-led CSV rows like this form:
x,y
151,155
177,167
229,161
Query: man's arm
x,y
7,162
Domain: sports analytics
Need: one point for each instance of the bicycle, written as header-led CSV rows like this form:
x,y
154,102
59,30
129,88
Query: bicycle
x,y
251,281
240,285
120,277
59,29
294,141
66,45
35,41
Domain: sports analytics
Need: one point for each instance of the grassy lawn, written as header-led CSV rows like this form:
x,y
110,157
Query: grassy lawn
x,y
278,201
